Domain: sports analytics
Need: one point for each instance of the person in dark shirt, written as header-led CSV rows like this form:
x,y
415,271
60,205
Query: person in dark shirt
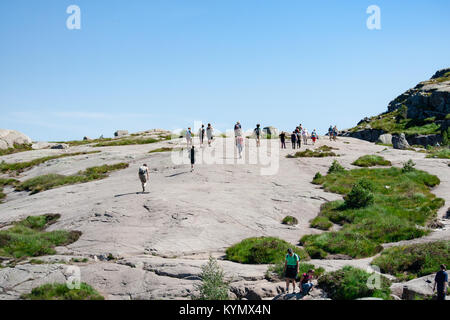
x,y
293,139
192,156
283,140
441,283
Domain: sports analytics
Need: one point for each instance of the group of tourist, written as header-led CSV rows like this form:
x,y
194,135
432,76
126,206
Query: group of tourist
x,y
297,136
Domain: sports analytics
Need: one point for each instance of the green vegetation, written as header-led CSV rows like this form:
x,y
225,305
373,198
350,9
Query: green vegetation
x,y
60,291
164,149
51,181
371,160
439,153
323,151
262,250
275,272
350,283
27,238
6,182
75,143
213,285
19,167
17,148
127,141
321,222
402,204
290,220
416,260
408,166
336,168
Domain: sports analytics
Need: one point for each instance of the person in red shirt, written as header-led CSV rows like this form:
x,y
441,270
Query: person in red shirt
x,y
305,282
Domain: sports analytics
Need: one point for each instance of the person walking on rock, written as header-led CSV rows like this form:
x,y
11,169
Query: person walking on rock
x,y
305,282
330,132
201,134
189,137
441,283
298,132
258,134
192,157
305,136
291,267
335,133
209,134
283,139
240,145
143,176
314,136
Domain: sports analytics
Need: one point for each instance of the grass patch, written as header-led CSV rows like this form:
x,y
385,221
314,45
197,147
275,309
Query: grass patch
x,y
164,149
17,148
439,153
402,202
75,143
350,283
412,261
19,167
321,222
6,182
290,220
60,291
371,160
262,250
51,181
323,151
27,238
275,272
130,141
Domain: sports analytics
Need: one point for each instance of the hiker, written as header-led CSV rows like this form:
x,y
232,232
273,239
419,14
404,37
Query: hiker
x,y
330,132
283,139
305,136
441,283
293,139
290,270
335,133
258,135
305,282
143,176
240,145
314,136
192,157
189,137
201,134
298,132
209,134
237,129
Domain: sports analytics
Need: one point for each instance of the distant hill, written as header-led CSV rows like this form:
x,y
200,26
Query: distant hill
x,y
421,113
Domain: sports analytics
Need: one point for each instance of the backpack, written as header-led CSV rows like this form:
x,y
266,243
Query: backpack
x,y
142,170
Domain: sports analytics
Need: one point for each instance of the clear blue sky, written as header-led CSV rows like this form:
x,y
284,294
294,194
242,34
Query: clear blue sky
x,y
141,64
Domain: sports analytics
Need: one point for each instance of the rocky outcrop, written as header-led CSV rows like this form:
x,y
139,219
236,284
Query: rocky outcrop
x,y
10,138
418,288
60,146
385,138
120,133
399,141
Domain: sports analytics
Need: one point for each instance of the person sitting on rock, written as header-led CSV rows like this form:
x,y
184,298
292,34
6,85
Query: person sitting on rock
x,y
290,270
441,282
305,282
143,176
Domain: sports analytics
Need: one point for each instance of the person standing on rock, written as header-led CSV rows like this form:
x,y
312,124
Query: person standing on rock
x,y
189,137
298,132
192,157
314,136
291,268
283,139
258,134
143,176
305,282
305,136
441,283
240,145
335,133
330,132
209,134
293,139
201,134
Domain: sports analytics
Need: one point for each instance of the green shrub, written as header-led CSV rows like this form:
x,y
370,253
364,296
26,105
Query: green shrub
x,y
336,168
312,154
321,222
51,181
361,195
27,238
371,160
439,153
350,283
213,285
408,166
262,250
290,220
416,260
60,291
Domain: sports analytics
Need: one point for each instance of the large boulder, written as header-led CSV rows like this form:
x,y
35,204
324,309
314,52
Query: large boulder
x,y
425,140
9,138
60,146
416,288
399,141
385,138
271,130
120,133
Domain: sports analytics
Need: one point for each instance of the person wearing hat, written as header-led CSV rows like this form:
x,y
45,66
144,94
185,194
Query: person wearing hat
x,y
291,268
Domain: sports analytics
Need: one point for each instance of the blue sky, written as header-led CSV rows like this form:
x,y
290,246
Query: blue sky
x,y
143,64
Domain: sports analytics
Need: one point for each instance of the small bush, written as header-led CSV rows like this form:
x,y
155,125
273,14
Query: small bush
x,y
361,195
336,168
262,250
321,222
371,160
60,291
290,220
213,285
350,283
408,166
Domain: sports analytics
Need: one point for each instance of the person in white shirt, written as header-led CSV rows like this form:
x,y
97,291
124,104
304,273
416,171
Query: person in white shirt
x,y
144,176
